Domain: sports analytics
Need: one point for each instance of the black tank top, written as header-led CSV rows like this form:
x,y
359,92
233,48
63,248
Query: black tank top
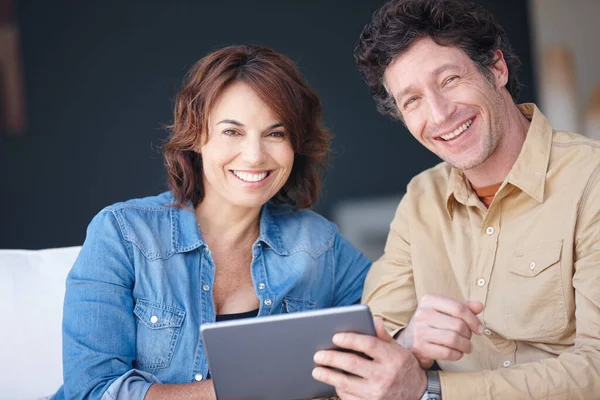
x,y
228,317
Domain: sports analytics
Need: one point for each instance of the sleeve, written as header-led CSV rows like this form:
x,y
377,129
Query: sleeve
x,y
99,331
389,288
574,374
350,268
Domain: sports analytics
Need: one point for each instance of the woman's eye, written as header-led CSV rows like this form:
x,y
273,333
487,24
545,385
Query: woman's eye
x,y
230,132
277,134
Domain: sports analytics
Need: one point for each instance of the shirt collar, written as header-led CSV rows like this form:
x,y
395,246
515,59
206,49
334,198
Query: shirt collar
x,y
529,171
186,234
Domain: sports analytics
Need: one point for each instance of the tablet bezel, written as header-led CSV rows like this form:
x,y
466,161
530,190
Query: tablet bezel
x,y
271,357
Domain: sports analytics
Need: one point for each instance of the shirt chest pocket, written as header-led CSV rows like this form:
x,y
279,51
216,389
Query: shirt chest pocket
x,y
535,301
290,305
158,330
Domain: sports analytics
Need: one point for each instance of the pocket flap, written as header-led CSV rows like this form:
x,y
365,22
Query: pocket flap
x,y
530,261
292,305
158,316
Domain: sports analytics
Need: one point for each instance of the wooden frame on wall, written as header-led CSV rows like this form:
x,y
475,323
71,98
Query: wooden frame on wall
x,y
12,97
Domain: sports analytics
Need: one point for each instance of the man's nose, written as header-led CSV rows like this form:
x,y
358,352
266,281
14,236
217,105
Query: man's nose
x,y
440,108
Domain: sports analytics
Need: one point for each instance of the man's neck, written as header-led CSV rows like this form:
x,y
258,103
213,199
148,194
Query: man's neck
x,y
496,168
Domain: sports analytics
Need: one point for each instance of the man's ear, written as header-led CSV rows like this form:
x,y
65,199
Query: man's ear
x,y
499,69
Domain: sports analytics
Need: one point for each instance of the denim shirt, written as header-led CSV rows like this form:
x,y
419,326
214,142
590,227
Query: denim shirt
x,y
142,287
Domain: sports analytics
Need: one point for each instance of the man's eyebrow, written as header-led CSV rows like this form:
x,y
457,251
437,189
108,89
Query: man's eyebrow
x,y
439,70
444,68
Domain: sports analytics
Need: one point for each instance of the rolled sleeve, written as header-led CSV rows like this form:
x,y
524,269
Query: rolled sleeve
x,y
132,385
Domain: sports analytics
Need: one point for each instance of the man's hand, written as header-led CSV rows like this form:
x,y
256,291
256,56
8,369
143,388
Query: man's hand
x,y
393,373
441,329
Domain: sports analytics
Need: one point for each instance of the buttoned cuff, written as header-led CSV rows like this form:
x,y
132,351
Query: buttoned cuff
x,y
463,385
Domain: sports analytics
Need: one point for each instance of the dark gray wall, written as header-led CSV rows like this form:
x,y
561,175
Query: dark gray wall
x,y
101,75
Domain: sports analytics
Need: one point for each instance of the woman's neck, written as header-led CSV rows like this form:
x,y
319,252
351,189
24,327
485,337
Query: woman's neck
x,y
227,224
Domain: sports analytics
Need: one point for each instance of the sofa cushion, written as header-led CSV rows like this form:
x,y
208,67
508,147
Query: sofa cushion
x,y
32,288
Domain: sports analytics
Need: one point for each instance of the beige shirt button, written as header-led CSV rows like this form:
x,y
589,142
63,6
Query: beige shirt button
x,y
261,286
488,332
506,364
268,302
198,377
532,265
490,230
481,282
154,319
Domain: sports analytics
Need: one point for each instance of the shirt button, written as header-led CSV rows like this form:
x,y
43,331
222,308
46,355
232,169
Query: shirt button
x,y
154,319
506,364
488,332
261,286
198,377
206,288
268,302
532,265
481,282
490,230
258,244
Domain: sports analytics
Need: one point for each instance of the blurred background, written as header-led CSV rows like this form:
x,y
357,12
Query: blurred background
x,y
86,87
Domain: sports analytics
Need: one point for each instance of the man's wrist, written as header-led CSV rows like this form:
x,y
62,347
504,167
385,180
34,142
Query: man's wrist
x,y
434,388
399,336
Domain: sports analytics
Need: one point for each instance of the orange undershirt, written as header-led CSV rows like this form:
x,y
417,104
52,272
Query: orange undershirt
x,y
486,194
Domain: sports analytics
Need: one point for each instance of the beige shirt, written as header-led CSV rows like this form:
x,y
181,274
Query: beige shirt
x,y
532,258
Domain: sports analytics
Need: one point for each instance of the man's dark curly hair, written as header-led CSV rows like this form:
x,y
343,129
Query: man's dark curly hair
x,y
399,23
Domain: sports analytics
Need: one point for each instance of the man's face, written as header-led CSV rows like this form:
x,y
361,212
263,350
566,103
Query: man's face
x,y
448,105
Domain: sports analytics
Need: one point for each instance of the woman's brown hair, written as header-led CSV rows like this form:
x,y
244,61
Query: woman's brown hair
x,y
279,84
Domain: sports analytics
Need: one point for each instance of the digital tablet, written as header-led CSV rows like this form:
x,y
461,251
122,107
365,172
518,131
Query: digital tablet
x,y
271,358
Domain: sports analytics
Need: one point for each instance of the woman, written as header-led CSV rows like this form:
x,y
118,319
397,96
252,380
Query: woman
x,y
231,239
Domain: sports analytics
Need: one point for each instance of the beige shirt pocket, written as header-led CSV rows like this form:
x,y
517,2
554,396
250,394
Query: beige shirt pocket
x,y
535,300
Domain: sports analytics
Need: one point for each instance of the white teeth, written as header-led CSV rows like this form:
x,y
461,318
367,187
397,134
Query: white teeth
x,y
248,177
457,131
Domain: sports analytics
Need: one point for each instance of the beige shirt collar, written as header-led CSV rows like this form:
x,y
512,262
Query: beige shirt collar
x,y
529,171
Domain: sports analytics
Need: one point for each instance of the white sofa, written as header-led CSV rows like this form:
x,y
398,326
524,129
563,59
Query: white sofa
x,y
32,288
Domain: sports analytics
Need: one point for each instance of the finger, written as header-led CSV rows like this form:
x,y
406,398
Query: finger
x,y
455,309
475,306
343,383
449,323
447,339
372,346
438,352
380,330
348,362
424,362
348,396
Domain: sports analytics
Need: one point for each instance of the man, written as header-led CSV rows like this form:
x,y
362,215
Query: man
x,y
492,264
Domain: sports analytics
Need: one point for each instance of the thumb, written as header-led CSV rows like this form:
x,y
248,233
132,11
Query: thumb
x,y
380,330
475,306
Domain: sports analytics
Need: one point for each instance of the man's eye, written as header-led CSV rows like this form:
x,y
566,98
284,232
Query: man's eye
x,y
449,80
410,101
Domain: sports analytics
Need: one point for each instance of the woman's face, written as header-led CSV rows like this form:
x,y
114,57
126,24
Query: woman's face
x,y
247,156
